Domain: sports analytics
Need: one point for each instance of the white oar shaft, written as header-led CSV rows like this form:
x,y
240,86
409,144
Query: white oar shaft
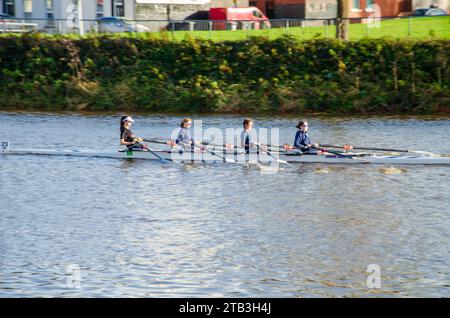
x,y
270,155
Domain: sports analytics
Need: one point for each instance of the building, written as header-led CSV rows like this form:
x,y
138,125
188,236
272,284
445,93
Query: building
x,y
61,16
392,8
297,9
327,9
381,8
129,9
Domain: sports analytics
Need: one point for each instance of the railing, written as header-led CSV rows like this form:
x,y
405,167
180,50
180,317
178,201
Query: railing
x,y
17,27
235,30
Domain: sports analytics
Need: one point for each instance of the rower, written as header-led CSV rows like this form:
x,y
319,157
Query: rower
x,y
302,140
127,138
184,137
247,140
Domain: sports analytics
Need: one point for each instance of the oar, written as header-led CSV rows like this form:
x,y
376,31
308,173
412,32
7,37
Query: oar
x,y
272,156
226,146
152,152
208,151
337,153
156,141
219,156
212,152
368,148
382,149
205,143
158,156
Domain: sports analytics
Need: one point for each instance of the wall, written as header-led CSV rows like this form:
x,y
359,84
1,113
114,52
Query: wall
x,y
393,8
181,11
321,9
60,8
305,9
261,4
166,12
228,3
130,9
290,9
63,13
389,8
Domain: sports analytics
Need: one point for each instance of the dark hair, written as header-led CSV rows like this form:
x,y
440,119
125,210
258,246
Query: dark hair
x,y
122,128
301,123
247,121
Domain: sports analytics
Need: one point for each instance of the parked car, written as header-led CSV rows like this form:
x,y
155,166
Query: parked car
x,y
115,25
242,18
5,16
429,12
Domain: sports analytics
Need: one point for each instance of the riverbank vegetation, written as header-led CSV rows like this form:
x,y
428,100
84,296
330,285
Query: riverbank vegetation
x,y
257,75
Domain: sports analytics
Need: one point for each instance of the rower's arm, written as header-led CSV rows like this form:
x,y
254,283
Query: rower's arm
x,y
126,143
180,138
300,142
130,143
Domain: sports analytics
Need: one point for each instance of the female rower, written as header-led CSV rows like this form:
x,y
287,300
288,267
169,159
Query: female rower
x,y
247,140
302,140
184,137
127,138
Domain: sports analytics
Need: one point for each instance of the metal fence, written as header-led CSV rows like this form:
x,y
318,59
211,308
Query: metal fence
x,y
232,30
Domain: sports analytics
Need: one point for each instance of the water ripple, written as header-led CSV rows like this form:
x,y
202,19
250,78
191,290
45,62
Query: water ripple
x,y
142,229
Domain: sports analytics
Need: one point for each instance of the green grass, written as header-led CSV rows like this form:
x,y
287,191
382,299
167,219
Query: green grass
x,y
436,27
418,28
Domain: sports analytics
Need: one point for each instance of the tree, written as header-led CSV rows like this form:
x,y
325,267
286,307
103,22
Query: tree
x,y
342,21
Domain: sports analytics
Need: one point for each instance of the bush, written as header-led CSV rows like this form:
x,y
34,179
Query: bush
x,y
257,75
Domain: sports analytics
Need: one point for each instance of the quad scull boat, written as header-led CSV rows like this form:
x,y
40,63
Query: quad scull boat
x,y
236,156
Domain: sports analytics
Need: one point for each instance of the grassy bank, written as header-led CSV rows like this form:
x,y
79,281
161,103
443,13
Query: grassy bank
x,y
417,28
256,75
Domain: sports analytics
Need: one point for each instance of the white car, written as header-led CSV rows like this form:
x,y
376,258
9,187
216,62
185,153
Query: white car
x,y
429,12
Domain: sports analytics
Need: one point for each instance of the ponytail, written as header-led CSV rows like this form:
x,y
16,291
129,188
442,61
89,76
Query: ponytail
x,y
301,123
122,128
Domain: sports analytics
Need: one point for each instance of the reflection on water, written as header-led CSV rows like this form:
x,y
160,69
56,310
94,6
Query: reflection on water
x,y
138,228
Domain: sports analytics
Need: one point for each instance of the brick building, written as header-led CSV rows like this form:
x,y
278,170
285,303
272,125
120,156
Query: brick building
x,y
387,8
297,9
327,9
198,9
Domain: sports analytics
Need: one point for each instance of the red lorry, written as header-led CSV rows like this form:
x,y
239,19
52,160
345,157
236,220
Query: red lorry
x,y
238,18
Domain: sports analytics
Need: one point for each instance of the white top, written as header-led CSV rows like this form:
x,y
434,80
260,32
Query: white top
x,y
248,139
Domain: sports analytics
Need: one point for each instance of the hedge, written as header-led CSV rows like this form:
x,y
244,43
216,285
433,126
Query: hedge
x,y
258,75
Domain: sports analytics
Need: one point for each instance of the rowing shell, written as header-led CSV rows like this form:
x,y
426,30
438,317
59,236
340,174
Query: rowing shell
x,y
207,157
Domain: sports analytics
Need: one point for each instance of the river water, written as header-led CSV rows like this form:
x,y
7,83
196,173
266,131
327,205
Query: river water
x,y
91,227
